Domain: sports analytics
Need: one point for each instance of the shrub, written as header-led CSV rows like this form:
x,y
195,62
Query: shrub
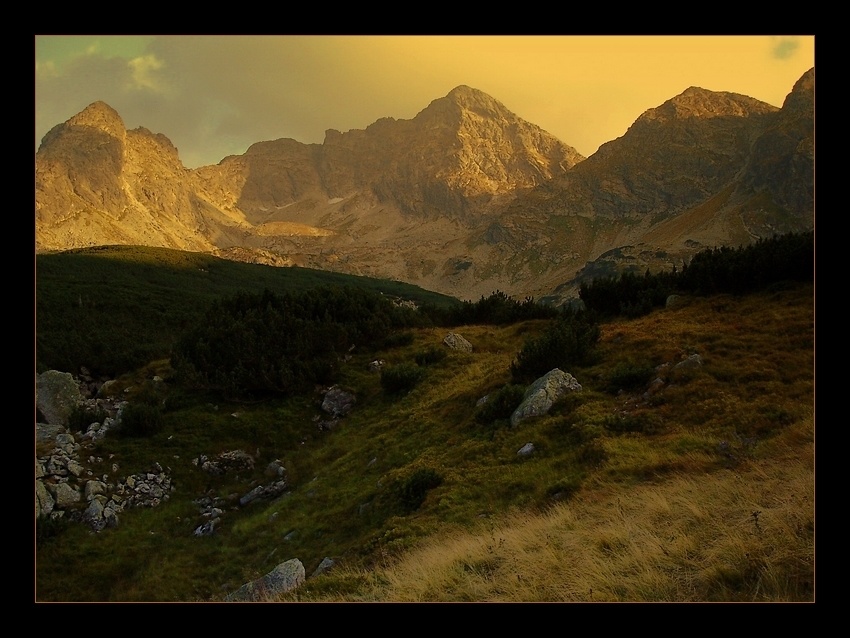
x,y
501,404
564,488
413,490
252,346
48,528
642,422
82,417
398,339
569,341
630,376
141,420
430,355
401,378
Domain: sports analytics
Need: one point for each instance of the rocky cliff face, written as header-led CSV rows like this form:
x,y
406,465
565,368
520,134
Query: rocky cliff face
x,y
703,169
463,199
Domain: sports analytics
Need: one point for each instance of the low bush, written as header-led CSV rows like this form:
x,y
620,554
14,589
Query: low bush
x,y
500,404
401,378
413,490
398,339
569,341
141,420
430,355
82,417
630,376
641,422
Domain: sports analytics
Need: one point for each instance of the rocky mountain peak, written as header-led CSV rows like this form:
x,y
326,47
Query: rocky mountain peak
x,y
802,96
101,116
696,102
466,96
461,103
464,198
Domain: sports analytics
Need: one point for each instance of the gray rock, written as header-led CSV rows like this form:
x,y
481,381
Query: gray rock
x,y
457,342
65,495
45,432
674,301
376,365
283,578
57,394
325,565
526,450
44,502
542,394
338,402
694,361
94,488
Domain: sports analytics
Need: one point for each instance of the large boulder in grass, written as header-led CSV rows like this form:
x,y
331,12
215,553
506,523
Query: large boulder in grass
x,y
457,342
338,402
281,579
56,396
542,394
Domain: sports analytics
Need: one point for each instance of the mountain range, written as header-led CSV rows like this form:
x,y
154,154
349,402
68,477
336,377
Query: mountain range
x,y
463,199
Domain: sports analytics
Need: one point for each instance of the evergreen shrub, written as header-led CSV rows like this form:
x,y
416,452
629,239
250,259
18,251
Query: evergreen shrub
x,y
413,489
400,378
501,404
569,341
430,355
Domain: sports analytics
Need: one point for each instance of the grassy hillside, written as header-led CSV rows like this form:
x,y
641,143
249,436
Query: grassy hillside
x,y
702,490
115,308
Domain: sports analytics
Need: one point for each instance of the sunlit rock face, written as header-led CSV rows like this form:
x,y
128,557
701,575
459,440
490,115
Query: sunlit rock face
x,y
464,199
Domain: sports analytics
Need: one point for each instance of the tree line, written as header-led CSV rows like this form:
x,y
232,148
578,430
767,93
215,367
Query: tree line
x,y
252,344
736,271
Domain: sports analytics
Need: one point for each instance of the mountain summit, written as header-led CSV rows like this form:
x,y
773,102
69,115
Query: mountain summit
x,y
463,199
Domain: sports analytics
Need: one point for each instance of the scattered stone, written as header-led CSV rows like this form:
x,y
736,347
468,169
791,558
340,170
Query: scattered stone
x,y
283,578
338,402
457,342
526,450
325,565
694,361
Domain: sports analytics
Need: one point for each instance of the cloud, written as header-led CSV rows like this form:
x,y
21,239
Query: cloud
x,y
784,48
143,72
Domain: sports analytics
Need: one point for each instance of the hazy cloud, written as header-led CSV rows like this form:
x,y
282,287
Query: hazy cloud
x,y
143,71
784,48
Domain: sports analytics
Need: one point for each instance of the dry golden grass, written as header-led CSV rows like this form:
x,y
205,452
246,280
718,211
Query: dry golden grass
x,y
732,535
717,506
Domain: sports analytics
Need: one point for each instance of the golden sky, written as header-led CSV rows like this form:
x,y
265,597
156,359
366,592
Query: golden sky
x,y
214,96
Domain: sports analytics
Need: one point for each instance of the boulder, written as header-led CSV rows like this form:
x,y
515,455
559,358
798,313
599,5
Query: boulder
x,y
338,402
281,579
542,394
56,395
457,342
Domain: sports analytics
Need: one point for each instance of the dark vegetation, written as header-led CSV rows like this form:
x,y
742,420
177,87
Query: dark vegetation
x,y
117,308
230,335
735,271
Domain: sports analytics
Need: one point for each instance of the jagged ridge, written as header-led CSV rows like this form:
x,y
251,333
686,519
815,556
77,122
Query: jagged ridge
x,y
464,198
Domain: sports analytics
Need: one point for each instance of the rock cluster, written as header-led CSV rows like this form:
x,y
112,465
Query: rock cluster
x,y
64,487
